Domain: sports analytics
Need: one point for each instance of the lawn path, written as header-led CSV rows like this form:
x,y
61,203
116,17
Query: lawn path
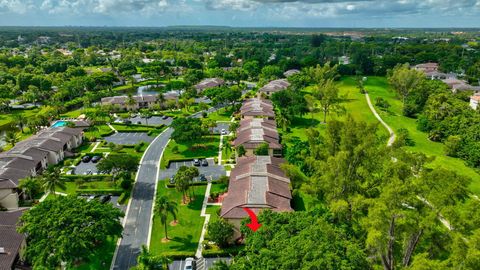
x,y
110,126
220,146
203,213
392,138
95,147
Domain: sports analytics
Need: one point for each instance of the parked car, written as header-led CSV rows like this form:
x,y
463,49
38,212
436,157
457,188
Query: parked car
x,y
95,159
196,162
190,264
89,172
172,180
224,132
127,122
86,158
202,177
204,162
164,117
105,198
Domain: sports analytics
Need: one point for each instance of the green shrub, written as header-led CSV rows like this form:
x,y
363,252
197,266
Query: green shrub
x,y
67,162
79,181
105,191
126,184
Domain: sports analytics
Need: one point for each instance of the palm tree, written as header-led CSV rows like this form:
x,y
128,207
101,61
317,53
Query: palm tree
x,y
51,180
282,120
11,138
146,261
145,113
19,121
161,100
30,186
164,207
130,101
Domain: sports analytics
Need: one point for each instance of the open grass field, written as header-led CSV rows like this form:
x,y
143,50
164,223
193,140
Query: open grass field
x,y
223,114
185,235
72,187
354,104
378,87
6,119
207,147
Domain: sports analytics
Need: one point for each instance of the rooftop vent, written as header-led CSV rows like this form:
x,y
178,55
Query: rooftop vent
x,y
2,250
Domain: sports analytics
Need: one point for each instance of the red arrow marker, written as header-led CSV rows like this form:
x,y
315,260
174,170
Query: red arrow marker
x,y
254,225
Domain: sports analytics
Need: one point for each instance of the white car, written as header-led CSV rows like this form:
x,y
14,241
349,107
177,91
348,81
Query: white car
x,y
224,132
190,264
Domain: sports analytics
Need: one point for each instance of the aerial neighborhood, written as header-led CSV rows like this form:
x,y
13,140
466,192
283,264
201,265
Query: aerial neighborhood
x,y
231,148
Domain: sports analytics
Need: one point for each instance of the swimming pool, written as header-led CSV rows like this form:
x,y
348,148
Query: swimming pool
x,y
60,124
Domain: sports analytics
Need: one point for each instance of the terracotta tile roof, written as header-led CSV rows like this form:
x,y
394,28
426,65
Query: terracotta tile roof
x,y
256,182
12,175
10,239
275,86
476,97
246,124
257,107
209,83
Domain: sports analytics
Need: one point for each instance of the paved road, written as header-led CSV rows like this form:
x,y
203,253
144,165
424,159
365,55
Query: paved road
x,y
137,222
138,216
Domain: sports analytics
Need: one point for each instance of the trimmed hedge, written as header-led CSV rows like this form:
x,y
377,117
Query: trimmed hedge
x,y
105,191
194,183
87,178
226,252
168,161
178,255
124,197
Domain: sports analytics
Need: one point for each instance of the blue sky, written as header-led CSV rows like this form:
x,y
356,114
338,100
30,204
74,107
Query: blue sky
x,y
263,13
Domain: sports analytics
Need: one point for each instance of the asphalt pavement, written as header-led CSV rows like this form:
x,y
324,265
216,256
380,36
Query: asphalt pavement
x,y
138,217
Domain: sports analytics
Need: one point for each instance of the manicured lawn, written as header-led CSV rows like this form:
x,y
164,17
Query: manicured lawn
x,y
214,211
226,151
72,114
206,147
102,256
185,235
72,187
378,87
6,119
98,131
223,114
354,103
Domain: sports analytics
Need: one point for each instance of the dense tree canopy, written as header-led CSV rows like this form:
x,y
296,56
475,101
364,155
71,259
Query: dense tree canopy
x,y
67,229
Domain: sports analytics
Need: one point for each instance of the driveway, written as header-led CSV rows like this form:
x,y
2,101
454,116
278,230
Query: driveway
x,y
129,138
152,121
211,172
220,126
82,168
138,217
136,227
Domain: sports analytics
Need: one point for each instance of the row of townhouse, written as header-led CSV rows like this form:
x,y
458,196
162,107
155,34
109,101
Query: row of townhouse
x,y
31,156
140,101
256,182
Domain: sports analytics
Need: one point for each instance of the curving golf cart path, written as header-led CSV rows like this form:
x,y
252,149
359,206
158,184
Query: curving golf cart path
x,y
393,137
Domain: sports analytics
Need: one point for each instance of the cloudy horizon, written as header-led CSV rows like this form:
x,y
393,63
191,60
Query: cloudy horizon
x,y
242,13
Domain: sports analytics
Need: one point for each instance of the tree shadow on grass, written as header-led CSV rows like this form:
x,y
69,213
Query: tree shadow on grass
x,y
184,243
304,122
198,202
